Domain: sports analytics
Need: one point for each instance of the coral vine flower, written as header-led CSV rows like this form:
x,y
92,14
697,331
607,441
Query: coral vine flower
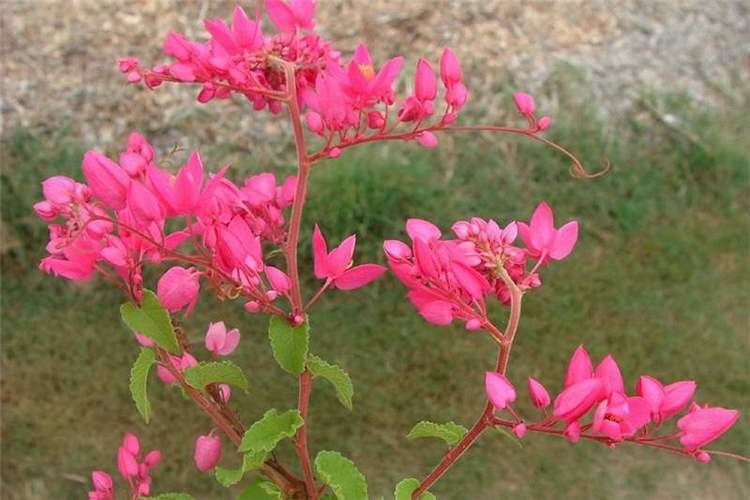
x,y
703,425
220,341
178,288
137,474
500,391
619,416
335,265
103,486
541,238
665,401
538,394
292,15
207,452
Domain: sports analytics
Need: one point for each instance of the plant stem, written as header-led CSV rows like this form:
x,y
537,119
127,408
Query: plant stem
x,y
485,420
290,250
272,470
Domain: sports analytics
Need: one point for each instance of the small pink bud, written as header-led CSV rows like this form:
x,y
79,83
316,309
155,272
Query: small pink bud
x,y
473,324
425,84
573,432
225,392
177,288
252,306
375,119
703,457
450,69
334,152
314,122
500,391
152,459
207,452
524,103
519,430
544,122
298,320
130,442
126,463
427,139
101,480
538,394
143,340
272,295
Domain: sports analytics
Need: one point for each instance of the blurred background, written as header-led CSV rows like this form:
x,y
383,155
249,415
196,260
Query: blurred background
x,y
659,276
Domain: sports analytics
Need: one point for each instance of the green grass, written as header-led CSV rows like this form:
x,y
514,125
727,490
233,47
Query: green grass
x,y
659,278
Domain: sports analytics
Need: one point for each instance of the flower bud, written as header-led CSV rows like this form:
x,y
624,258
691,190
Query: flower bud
x,y
524,103
573,432
427,139
538,394
152,459
59,189
252,306
450,69
106,179
425,84
177,288
334,152
101,480
207,452
500,391
314,122
544,122
519,430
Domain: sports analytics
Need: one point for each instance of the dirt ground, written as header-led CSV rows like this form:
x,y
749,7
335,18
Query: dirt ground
x,y
58,57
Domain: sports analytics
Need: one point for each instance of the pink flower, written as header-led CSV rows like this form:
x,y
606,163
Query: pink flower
x,y
519,430
427,139
620,416
180,363
572,432
541,238
220,341
500,391
179,194
579,367
207,452
288,17
103,486
609,372
425,84
364,86
450,68
178,288
278,279
703,425
577,399
538,394
665,401
524,103
336,264
106,179
143,203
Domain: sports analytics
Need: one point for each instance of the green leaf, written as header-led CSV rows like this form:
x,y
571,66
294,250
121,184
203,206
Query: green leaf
x,y
450,432
139,381
336,376
171,496
250,461
406,487
151,320
215,372
261,490
289,344
265,434
341,475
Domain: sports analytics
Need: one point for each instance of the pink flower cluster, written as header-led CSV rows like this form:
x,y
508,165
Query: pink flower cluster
x,y
345,98
451,278
118,221
137,474
616,416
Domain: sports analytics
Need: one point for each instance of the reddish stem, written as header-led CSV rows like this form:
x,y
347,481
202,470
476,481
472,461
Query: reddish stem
x,y
485,419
